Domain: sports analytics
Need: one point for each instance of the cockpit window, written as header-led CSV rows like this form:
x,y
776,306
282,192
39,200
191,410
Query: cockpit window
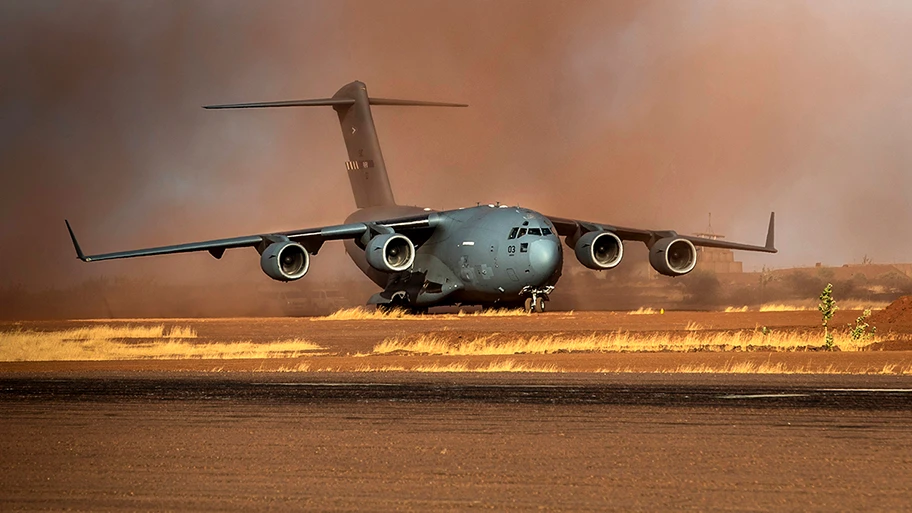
x,y
546,231
534,231
513,233
522,231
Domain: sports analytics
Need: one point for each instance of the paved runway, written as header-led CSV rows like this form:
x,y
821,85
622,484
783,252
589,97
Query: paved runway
x,y
261,441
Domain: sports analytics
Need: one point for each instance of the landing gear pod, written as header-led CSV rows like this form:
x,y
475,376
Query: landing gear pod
x,y
599,250
390,252
673,257
285,261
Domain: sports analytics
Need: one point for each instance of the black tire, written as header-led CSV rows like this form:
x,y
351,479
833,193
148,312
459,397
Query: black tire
x,y
528,306
539,305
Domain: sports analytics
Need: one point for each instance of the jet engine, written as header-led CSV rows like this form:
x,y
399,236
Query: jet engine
x,y
285,261
390,252
673,257
599,250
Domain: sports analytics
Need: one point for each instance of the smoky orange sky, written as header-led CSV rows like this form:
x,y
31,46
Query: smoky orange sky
x,y
649,114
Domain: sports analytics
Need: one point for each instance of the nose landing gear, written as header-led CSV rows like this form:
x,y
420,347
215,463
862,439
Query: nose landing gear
x,y
535,302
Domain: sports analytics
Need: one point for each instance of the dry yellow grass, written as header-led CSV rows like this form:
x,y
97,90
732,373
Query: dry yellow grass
x,y
301,367
806,306
135,343
740,368
784,308
498,312
862,305
735,309
128,332
495,366
644,311
435,344
509,365
765,368
362,313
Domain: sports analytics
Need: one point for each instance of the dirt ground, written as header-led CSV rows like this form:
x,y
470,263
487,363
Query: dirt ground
x,y
210,435
273,441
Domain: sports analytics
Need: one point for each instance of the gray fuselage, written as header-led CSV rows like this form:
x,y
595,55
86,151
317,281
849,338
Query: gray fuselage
x,y
479,255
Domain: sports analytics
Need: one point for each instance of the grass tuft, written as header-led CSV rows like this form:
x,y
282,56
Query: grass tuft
x,y
784,308
496,312
360,314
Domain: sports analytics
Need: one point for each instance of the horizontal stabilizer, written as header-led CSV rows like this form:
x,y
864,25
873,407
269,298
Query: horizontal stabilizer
x,y
289,103
415,103
365,165
332,102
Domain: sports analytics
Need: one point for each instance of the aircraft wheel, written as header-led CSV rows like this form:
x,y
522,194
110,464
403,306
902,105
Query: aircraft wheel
x,y
528,306
539,305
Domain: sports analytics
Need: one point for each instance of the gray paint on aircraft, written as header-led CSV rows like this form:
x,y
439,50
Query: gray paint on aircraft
x,y
488,254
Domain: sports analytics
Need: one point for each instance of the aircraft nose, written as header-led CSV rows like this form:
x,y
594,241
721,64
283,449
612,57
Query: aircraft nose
x,y
544,257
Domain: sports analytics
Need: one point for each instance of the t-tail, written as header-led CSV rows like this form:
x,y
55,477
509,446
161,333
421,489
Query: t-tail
x,y
366,169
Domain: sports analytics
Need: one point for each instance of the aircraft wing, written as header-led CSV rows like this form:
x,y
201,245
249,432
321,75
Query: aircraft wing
x,y
573,228
312,238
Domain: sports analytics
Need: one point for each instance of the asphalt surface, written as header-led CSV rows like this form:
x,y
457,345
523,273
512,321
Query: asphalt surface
x,y
574,442
864,393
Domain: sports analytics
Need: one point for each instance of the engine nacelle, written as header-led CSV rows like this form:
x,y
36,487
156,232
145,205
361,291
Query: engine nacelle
x,y
285,261
599,250
390,252
673,257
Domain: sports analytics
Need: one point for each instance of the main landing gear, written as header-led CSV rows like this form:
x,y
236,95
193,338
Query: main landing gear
x,y
535,303
400,301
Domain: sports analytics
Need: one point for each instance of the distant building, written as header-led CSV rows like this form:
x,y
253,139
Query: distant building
x,y
719,261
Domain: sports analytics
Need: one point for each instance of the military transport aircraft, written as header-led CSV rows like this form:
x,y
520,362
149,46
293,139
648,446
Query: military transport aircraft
x,y
484,255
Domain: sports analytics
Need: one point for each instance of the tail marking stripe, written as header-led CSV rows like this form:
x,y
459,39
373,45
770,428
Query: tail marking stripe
x,y
358,164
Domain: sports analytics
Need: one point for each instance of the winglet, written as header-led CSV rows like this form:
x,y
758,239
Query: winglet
x,y
771,233
79,253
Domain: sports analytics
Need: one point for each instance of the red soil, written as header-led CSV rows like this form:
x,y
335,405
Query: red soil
x,y
898,313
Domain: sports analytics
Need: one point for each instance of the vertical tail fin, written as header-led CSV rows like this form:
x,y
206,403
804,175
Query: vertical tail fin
x,y
366,169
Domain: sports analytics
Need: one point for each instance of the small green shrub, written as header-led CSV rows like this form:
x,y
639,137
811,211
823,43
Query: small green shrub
x,y
827,309
860,330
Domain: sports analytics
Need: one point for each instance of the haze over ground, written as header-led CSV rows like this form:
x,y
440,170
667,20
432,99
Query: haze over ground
x,y
635,113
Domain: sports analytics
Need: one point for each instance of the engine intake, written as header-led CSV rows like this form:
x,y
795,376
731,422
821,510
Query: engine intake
x,y
285,261
673,257
599,250
390,252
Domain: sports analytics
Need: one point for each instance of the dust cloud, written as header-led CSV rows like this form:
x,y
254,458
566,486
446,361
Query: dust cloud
x,y
634,113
